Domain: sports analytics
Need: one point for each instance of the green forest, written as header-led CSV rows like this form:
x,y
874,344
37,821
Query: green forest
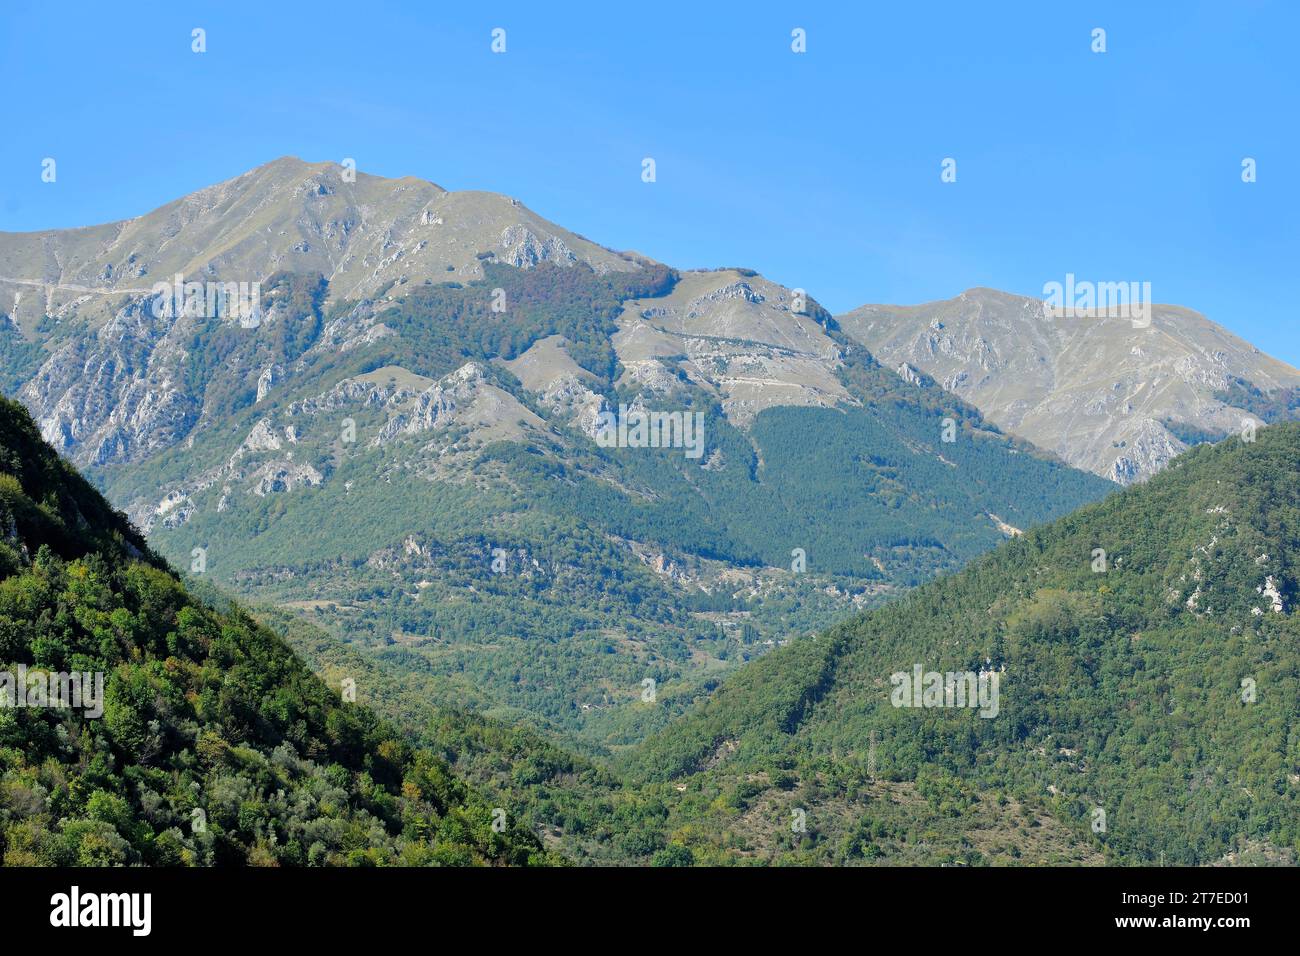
x,y
215,744
1147,675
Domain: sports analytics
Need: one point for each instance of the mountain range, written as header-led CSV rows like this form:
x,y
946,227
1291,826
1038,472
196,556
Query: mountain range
x,y
403,442
1141,657
635,555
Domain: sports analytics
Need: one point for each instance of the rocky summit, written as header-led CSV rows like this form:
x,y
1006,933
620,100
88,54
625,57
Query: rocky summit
x,y
1107,394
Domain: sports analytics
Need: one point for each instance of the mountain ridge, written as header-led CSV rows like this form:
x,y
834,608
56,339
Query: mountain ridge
x,y
372,434
1098,392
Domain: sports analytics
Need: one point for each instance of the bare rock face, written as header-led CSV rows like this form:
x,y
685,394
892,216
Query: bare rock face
x,y
282,450
568,397
120,381
524,249
261,438
562,387
1150,449
752,342
1096,391
283,475
174,510
649,376
908,374
270,375
351,393
438,405
740,290
118,394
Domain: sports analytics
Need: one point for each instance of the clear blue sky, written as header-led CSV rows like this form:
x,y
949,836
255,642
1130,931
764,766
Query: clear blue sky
x,y
821,170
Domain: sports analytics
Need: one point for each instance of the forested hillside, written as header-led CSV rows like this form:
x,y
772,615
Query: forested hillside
x,y
1148,654
213,744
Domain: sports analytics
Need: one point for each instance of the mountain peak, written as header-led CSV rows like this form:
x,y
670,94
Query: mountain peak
x,y
1115,396
363,233
286,167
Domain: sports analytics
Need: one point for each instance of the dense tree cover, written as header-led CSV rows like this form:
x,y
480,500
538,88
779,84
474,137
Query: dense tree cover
x,y
19,357
565,639
1123,690
501,315
215,744
597,817
570,799
899,493
1278,405
563,635
1191,434
1161,690
578,621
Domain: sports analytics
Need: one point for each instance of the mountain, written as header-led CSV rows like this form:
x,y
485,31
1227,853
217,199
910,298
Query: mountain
x,y
1100,393
194,735
416,437
598,536
1131,698
290,216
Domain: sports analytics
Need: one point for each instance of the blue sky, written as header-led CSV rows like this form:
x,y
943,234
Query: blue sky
x,y
821,170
